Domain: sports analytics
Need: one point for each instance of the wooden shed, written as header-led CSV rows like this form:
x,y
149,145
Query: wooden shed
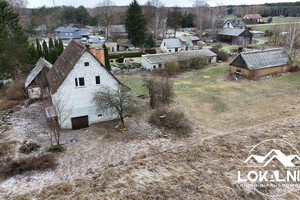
x,y
261,63
235,36
36,83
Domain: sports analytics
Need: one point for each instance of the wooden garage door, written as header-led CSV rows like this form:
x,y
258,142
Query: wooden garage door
x,y
80,122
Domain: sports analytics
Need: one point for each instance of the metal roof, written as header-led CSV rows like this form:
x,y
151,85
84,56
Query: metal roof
x,y
187,41
172,43
194,38
175,57
84,32
231,31
253,16
236,22
40,64
265,58
117,28
73,35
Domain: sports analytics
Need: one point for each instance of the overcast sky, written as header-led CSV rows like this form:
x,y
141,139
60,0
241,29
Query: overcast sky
x,y
181,3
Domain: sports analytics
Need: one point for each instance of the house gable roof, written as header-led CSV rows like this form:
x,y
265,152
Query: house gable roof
x,y
264,59
253,16
173,43
236,22
65,63
40,64
232,31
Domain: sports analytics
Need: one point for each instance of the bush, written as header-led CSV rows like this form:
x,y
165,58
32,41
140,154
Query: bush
x,y
16,90
20,166
171,68
150,51
29,147
221,55
120,59
171,120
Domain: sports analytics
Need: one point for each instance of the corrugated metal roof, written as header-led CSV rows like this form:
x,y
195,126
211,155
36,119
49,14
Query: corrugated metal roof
x,y
172,43
194,38
265,58
40,64
175,57
231,31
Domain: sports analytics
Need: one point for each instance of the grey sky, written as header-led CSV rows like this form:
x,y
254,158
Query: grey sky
x,y
181,3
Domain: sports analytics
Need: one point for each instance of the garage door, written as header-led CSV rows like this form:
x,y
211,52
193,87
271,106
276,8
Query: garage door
x,y
80,122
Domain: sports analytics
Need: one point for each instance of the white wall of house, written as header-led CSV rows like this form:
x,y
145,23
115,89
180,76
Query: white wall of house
x,y
228,25
165,49
150,66
77,100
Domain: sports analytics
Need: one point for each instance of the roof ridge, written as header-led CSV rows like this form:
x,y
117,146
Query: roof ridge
x,y
263,50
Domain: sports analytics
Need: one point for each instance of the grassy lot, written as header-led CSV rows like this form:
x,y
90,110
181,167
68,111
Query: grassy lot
x,y
282,19
217,104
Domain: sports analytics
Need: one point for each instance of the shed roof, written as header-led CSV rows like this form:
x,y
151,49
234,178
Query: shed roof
x,y
187,40
73,35
84,32
264,59
40,64
236,22
175,57
65,63
194,38
172,43
231,31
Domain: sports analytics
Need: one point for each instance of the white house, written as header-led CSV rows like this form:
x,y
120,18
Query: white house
x,y
157,61
254,17
73,81
171,45
234,23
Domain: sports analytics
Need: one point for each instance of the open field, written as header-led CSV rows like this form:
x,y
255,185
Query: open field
x,y
283,19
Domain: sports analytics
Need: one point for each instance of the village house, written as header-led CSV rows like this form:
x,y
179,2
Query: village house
x,y
68,33
36,83
194,39
234,23
73,81
158,61
117,32
235,36
253,17
171,45
261,63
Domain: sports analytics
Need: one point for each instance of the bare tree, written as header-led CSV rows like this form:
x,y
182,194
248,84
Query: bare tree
x,y
118,101
153,90
155,15
202,15
174,19
107,14
56,115
292,39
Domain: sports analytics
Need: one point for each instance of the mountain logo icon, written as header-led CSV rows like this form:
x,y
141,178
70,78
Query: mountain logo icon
x,y
274,155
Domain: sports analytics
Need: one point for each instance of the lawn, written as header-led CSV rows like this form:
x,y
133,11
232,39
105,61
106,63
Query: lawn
x,y
219,105
282,19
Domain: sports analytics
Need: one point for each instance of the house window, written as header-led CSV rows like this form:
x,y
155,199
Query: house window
x,y
154,66
97,80
159,65
86,64
100,115
79,82
228,24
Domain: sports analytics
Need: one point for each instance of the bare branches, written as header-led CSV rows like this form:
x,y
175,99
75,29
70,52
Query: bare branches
x,y
118,101
107,15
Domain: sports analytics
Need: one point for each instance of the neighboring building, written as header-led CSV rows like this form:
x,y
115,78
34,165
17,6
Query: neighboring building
x,y
171,45
254,17
117,32
157,61
195,39
111,46
36,83
235,36
186,43
73,80
68,33
261,63
234,23
42,29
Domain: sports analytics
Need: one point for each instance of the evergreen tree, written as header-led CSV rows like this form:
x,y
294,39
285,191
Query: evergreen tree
x,y
14,46
149,42
53,55
61,46
56,44
46,51
39,49
33,53
106,58
135,24
51,45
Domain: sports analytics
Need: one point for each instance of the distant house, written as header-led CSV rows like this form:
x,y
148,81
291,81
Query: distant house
x,y
195,39
187,43
254,17
68,33
111,46
157,61
234,23
36,83
257,34
73,80
171,45
235,36
117,32
261,63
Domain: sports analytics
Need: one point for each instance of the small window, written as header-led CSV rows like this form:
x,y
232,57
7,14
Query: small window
x,y
154,66
80,80
100,115
97,80
159,65
86,64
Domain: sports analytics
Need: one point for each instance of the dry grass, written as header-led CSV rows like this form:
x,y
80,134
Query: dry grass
x,y
15,90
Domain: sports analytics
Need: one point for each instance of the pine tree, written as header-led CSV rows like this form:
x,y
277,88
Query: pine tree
x,y
14,46
61,46
135,24
149,42
33,53
53,55
46,51
51,45
107,63
56,44
39,49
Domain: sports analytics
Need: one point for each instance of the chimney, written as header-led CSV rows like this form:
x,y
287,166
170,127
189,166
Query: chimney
x,y
99,54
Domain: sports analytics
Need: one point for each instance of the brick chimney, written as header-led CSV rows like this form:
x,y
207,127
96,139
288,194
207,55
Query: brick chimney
x,y
99,54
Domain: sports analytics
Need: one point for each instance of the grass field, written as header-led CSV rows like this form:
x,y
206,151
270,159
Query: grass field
x,y
217,104
282,19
